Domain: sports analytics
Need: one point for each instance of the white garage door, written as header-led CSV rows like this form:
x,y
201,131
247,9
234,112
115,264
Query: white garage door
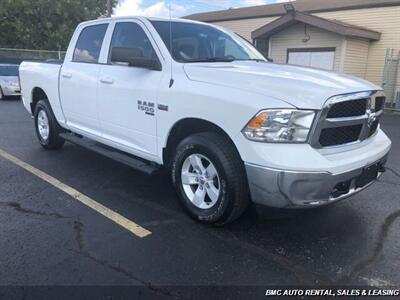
x,y
316,59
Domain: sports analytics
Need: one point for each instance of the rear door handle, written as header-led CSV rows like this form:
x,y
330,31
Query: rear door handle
x,y
66,75
107,80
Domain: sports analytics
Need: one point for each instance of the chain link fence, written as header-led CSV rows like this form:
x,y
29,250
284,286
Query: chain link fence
x,y
8,55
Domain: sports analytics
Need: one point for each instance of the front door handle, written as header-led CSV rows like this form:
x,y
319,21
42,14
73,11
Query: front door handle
x,y
107,80
66,75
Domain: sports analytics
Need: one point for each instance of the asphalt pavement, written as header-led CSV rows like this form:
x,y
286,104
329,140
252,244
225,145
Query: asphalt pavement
x,y
48,238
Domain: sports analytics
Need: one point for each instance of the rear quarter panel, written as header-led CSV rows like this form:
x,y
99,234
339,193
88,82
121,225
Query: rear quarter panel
x,y
44,76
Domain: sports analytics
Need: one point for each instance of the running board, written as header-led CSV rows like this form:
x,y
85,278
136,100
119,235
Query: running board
x,y
122,157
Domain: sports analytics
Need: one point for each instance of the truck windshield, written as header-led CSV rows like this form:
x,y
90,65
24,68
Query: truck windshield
x,y
193,42
8,70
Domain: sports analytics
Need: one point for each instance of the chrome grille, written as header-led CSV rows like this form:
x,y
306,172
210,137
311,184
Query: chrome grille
x,y
352,108
348,119
339,135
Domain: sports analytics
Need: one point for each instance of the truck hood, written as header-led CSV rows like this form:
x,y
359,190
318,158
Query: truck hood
x,y
301,87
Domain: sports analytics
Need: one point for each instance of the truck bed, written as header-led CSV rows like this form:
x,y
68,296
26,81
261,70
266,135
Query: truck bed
x,y
44,76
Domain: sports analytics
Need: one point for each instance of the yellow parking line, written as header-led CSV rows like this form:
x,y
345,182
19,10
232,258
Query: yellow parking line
x,y
108,213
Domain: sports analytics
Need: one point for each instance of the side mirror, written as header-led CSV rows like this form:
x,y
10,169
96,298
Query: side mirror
x,y
134,58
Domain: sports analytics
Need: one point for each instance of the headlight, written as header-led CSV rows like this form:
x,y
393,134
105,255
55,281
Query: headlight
x,y
280,126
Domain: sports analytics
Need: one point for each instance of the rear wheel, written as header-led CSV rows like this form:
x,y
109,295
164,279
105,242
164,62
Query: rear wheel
x,y
1,94
209,177
47,128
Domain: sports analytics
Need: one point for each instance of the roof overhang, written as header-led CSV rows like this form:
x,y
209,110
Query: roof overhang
x,y
277,9
289,19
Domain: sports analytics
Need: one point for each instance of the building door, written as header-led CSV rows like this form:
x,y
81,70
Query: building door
x,y
322,58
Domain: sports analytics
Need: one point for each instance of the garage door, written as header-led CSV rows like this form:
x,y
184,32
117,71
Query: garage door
x,y
322,59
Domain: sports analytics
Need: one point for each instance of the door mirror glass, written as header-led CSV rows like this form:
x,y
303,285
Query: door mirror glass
x,y
133,57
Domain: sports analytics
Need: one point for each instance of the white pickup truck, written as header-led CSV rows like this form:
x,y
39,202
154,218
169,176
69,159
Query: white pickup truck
x,y
201,101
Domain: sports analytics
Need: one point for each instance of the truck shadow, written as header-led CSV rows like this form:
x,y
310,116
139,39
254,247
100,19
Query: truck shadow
x,y
327,240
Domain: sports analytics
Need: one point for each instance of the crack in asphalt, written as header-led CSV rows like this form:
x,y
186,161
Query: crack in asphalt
x,y
78,229
304,276
393,171
16,206
389,182
382,235
77,226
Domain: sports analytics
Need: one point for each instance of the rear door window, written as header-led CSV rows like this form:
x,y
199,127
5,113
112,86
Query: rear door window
x,y
89,43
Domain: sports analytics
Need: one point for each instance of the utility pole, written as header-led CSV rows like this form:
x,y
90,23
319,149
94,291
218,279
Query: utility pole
x,y
109,8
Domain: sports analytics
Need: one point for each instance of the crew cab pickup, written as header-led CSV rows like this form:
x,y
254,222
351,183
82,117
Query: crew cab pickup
x,y
231,127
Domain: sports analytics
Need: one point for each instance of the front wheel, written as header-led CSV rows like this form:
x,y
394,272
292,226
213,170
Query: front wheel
x,y
209,177
47,128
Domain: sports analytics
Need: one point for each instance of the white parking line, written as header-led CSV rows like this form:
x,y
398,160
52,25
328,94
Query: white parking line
x,y
105,211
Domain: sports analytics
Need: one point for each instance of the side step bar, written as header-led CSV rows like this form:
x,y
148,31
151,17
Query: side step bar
x,y
122,157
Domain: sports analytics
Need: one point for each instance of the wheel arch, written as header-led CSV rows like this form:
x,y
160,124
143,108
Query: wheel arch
x,y
37,94
186,127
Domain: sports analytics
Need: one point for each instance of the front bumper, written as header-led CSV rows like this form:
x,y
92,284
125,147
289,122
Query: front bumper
x,y
289,189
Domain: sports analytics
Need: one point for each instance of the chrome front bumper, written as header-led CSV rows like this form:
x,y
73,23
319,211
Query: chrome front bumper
x,y
289,189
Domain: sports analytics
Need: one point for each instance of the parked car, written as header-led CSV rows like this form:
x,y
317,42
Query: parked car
x,y
9,82
228,125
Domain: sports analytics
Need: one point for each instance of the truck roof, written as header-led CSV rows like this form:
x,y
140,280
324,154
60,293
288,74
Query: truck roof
x,y
100,20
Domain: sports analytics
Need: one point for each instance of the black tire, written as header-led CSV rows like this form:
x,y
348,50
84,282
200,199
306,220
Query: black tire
x,y
53,141
1,94
233,197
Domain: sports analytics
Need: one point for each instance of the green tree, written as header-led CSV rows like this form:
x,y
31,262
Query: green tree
x,y
45,24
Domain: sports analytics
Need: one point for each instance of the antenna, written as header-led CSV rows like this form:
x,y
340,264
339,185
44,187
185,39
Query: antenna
x,y
171,82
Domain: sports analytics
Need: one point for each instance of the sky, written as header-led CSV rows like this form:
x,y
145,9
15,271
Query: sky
x,y
180,8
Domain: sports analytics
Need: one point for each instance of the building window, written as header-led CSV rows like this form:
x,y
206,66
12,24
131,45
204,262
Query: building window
x,y
262,45
322,58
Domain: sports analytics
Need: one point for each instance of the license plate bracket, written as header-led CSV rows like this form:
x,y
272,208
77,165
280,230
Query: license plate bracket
x,y
368,175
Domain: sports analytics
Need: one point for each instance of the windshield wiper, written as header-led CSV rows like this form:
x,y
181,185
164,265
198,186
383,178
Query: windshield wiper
x,y
210,59
254,59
